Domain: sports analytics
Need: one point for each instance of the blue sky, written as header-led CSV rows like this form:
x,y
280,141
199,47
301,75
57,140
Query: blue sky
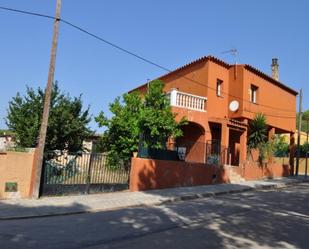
x,y
170,33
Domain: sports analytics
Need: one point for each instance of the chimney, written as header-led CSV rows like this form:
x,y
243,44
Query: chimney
x,y
275,69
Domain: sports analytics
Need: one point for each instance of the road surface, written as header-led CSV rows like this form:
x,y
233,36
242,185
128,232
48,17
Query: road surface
x,y
257,219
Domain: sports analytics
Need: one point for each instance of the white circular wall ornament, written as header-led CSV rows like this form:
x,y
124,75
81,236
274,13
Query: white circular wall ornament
x,y
234,105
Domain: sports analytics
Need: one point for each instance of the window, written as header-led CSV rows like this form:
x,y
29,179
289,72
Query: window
x,y
219,87
253,93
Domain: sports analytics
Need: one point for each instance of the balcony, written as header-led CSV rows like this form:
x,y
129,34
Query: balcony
x,y
186,100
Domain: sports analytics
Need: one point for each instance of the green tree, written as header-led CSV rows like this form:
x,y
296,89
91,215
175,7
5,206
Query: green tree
x,y
257,131
157,122
304,149
67,125
304,122
281,146
122,135
257,138
150,117
6,132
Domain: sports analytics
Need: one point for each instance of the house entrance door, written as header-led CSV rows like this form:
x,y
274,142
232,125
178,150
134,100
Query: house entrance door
x,y
234,145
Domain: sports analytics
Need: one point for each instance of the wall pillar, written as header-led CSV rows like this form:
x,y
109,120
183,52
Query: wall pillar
x,y
225,143
171,143
292,148
225,135
243,145
271,133
173,97
207,132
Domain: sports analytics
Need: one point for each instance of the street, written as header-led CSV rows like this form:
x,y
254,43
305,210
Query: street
x,y
254,219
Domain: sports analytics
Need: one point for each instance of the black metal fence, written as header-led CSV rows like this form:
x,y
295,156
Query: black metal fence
x,y
210,152
216,153
82,173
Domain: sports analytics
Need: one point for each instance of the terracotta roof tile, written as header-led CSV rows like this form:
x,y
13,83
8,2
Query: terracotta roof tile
x,y
228,66
269,78
202,59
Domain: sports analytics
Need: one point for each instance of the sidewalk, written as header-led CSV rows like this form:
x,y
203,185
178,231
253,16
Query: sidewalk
x,y
53,206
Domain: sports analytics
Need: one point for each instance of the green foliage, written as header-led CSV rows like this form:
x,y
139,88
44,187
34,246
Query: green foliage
x,y
122,135
135,117
281,146
157,122
305,115
257,138
304,149
266,150
6,132
304,122
67,125
17,149
257,131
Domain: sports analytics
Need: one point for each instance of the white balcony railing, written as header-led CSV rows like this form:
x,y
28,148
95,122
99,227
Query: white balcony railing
x,y
186,100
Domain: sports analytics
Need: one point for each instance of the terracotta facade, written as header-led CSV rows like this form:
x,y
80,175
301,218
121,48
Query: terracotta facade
x,y
194,93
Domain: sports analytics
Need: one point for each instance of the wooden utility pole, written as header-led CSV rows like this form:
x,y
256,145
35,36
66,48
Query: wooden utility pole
x,y
307,152
48,91
299,130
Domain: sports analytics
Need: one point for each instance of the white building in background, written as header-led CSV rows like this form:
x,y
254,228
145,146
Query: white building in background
x,y
6,141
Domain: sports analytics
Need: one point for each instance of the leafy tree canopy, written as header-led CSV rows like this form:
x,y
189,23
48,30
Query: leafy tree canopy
x,y
281,146
150,117
304,122
67,125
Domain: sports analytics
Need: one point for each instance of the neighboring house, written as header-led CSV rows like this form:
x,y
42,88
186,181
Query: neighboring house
x,y
219,100
303,137
90,141
6,141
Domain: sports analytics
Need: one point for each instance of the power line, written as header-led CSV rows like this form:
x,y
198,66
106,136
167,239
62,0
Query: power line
x,y
115,46
157,65
271,115
136,55
27,12
88,33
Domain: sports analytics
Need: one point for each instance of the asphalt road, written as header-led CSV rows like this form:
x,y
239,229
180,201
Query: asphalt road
x,y
260,219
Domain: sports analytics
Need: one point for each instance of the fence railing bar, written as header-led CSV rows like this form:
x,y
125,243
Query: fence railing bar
x,y
75,172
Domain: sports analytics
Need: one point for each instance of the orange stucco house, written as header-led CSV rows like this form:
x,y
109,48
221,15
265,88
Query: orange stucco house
x,y
219,100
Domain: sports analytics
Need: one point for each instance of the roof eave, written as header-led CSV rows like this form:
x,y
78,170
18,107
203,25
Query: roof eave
x,y
202,59
269,78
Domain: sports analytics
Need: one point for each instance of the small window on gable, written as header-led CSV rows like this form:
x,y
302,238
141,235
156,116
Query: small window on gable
x,y
219,87
253,93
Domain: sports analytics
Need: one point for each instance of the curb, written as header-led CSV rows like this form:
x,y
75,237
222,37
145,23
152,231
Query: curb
x,y
167,201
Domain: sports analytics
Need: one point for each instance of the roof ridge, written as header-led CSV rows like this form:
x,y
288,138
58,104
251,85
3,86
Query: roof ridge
x,y
208,57
228,66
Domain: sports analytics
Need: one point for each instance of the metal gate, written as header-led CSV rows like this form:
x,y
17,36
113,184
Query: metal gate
x,y
82,174
216,153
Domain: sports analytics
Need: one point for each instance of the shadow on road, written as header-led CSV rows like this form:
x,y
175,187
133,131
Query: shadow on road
x,y
272,219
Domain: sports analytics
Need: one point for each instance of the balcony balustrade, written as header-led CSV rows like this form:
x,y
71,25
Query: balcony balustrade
x,y
186,100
